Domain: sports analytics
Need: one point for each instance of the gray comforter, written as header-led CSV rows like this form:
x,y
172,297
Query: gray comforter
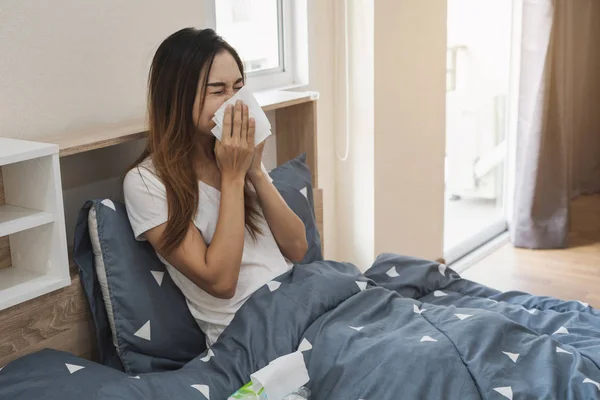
x,y
406,329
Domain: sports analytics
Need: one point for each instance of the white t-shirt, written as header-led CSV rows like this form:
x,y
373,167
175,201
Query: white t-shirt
x,y
146,203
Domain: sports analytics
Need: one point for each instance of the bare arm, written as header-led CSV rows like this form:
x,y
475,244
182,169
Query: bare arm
x,y
287,228
216,268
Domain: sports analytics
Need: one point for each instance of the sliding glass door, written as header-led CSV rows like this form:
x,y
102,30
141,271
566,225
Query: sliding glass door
x,y
479,98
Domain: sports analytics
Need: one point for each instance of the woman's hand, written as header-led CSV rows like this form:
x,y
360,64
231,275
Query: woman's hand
x,y
256,167
235,151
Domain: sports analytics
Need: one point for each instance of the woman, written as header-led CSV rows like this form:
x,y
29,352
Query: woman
x,y
208,207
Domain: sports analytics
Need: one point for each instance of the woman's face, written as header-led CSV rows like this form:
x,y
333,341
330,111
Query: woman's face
x,y
224,80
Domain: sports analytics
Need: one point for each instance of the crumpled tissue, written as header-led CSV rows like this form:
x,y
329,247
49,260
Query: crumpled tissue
x,y
263,126
282,376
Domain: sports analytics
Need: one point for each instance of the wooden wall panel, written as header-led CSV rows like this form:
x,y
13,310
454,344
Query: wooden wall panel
x,y
297,134
59,320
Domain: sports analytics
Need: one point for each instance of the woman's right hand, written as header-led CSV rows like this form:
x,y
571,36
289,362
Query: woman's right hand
x,y
235,150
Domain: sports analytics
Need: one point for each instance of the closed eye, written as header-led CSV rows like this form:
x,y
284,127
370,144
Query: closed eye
x,y
223,91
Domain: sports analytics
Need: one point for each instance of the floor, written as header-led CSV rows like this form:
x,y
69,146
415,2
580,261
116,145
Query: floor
x,y
570,274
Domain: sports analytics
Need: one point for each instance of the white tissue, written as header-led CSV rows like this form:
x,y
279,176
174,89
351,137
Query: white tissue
x,y
263,126
282,376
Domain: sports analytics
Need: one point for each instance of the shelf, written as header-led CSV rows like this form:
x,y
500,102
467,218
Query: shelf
x,y
17,219
75,142
274,100
14,151
18,285
33,249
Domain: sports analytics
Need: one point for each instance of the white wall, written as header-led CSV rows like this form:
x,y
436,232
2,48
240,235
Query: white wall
x,y
321,69
72,65
410,60
76,65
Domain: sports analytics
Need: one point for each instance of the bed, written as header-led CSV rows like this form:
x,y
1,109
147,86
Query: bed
x,y
406,328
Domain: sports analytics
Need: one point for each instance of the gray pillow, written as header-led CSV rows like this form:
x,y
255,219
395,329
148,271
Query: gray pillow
x,y
293,180
141,317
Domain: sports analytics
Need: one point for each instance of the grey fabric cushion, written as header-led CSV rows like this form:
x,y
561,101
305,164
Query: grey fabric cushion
x,y
293,180
152,328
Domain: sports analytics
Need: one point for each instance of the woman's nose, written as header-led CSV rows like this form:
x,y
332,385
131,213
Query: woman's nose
x,y
228,94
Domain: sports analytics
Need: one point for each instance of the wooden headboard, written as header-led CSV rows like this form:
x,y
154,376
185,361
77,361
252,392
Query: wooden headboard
x,y
61,320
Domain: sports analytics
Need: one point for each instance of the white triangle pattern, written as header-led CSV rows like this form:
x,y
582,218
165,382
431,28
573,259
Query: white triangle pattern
x,y
108,203
439,293
304,192
304,346
208,356
512,356
442,269
73,368
361,285
144,331
158,276
561,330
505,391
205,390
356,328
273,285
427,339
417,310
532,311
583,303
588,380
463,316
561,350
392,272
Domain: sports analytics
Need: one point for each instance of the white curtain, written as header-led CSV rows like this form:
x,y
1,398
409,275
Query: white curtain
x,y
354,129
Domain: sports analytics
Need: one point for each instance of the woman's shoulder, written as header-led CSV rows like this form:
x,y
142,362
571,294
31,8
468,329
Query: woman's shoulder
x,y
142,177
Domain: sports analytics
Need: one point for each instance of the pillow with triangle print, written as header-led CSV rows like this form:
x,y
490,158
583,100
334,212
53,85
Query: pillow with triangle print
x,y
141,317
293,180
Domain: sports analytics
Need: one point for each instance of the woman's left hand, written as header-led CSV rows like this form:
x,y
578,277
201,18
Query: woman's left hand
x,y
256,168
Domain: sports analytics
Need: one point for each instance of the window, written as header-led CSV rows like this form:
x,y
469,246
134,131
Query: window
x,y
270,37
253,28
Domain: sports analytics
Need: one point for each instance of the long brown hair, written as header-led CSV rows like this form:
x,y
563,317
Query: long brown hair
x,y
172,82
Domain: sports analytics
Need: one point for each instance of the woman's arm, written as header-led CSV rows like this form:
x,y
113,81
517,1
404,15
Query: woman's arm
x,y
288,229
216,268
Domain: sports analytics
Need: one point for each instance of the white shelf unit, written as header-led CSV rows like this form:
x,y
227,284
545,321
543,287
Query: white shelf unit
x,y
33,246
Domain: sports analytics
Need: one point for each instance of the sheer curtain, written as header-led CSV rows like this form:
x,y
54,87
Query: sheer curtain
x,y
558,149
354,128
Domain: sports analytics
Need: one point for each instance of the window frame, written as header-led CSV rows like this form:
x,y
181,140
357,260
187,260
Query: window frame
x,y
293,63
